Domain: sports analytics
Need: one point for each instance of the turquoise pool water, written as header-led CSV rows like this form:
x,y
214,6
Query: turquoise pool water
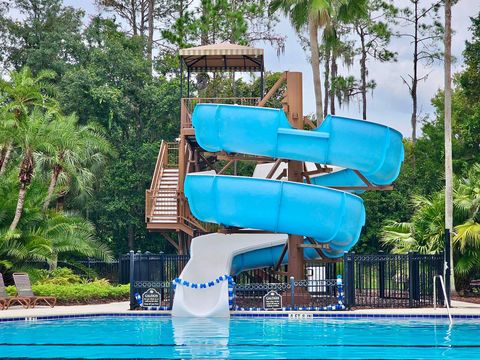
x,y
259,338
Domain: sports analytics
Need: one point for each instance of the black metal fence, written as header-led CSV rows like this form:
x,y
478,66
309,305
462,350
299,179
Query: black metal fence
x,y
376,281
295,294
390,280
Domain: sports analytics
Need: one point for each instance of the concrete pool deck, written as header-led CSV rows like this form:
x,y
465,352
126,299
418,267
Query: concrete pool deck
x,y
16,312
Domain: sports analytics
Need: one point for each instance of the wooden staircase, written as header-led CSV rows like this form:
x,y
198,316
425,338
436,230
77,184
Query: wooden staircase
x,y
165,210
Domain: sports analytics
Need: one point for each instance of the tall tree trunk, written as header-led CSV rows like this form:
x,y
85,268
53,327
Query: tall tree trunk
x,y
363,75
448,135
60,202
20,202
142,18
25,177
415,77
315,62
333,75
53,263
5,157
151,9
326,83
51,187
134,17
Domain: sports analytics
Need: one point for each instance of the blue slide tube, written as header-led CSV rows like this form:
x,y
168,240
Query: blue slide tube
x,y
327,215
374,149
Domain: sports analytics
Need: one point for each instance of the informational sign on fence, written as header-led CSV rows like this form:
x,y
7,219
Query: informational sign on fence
x,y
272,301
151,297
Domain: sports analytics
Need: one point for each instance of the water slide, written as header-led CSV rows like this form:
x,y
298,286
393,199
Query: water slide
x,y
312,210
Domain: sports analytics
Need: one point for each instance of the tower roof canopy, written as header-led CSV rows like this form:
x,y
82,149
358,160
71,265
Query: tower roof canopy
x,y
222,57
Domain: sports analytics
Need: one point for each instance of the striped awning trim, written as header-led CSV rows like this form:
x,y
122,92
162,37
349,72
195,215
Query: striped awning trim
x,y
223,49
223,57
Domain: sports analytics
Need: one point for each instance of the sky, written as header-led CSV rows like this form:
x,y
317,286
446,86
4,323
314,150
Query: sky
x,y
390,103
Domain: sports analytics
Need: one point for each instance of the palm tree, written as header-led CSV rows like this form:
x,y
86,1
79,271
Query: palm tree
x,y
315,15
426,230
33,137
77,148
18,97
67,233
466,240
43,236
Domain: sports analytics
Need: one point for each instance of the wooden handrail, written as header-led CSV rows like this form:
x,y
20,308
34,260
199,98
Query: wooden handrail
x,y
158,165
186,107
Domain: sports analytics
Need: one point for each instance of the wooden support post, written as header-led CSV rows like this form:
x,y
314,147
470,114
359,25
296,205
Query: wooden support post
x,y
181,163
225,167
274,168
293,106
196,160
274,88
177,246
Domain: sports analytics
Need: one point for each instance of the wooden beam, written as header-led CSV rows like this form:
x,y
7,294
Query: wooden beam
x,y
317,249
282,174
272,90
363,178
318,171
274,168
171,241
225,167
209,164
309,122
224,156
280,259
236,230
372,187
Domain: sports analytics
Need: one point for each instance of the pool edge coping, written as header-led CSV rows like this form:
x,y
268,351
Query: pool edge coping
x,y
249,314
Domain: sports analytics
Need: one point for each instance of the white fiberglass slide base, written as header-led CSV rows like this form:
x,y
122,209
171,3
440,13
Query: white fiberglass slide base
x,y
210,257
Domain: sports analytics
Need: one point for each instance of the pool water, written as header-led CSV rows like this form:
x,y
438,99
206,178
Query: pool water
x,y
259,338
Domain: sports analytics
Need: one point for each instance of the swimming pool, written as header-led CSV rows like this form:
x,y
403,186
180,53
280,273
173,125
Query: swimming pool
x,y
239,338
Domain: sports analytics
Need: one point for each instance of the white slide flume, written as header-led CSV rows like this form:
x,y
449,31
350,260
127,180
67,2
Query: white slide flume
x,y
210,257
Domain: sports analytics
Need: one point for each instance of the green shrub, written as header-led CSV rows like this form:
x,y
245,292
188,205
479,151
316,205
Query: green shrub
x,y
80,293
59,276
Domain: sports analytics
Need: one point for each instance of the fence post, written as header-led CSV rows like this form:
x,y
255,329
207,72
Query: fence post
x,y
292,292
162,267
119,269
381,274
171,295
413,279
132,279
349,269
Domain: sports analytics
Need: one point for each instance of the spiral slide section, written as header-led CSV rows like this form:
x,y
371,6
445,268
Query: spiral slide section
x,y
329,216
